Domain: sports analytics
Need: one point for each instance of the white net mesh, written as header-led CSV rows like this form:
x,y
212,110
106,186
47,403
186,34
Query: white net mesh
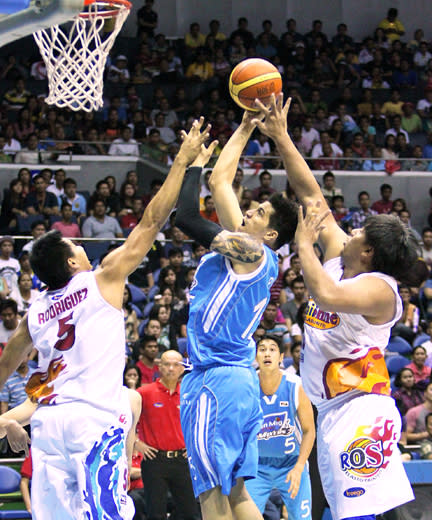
x,y
75,59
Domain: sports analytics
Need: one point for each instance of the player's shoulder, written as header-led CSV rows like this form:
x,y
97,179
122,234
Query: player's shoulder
x,y
291,379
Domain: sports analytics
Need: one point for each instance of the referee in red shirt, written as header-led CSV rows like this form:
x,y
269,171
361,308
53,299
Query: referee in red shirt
x,y
160,440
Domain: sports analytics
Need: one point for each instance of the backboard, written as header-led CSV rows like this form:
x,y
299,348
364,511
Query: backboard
x,y
20,18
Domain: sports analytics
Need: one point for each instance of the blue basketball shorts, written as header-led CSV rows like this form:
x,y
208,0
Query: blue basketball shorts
x,y
273,477
221,416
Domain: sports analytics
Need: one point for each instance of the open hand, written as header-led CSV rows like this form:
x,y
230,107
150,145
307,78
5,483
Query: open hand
x,y
310,226
275,116
205,154
193,140
294,479
148,452
17,437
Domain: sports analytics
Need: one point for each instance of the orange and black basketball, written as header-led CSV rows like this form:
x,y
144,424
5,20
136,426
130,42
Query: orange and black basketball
x,y
254,78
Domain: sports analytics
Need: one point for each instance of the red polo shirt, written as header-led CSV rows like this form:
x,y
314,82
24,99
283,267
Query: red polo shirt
x,y
159,422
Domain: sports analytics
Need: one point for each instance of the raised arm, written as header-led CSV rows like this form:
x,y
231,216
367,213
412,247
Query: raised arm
x,y
124,260
221,179
301,179
370,296
240,248
17,349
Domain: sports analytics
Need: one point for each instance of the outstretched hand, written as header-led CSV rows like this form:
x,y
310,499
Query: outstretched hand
x,y
310,226
193,140
17,437
275,115
205,154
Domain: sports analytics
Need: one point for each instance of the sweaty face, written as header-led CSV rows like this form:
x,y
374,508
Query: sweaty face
x,y
256,221
268,355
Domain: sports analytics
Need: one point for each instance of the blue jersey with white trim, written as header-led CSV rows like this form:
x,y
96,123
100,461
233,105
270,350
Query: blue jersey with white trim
x,y
225,309
280,435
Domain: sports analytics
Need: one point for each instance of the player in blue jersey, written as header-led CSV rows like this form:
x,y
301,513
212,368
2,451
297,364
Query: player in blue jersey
x,y
286,436
220,410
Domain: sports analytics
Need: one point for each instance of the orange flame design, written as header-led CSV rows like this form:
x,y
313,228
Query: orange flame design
x,y
368,374
380,432
40,383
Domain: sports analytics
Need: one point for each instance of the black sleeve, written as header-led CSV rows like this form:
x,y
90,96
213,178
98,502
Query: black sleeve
x,y
188,217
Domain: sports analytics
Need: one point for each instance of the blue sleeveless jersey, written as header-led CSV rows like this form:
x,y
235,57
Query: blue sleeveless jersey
x,y
225,309
280,435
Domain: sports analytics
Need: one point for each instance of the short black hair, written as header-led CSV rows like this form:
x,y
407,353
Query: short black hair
x,y
398,378
265,172
69,180
395,246
283,219
363,193
385,186
9,304
175,251
37,223
274,338
328,174
147,338
48,260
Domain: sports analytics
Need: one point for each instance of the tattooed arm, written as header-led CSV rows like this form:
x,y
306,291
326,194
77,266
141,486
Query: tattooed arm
x,y
239,248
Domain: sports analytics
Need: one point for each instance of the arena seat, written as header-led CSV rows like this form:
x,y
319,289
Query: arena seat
x,y
10,483
399,345
421,338
396,363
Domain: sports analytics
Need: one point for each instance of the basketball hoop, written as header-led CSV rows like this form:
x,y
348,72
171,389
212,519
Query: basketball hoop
x,y
75,60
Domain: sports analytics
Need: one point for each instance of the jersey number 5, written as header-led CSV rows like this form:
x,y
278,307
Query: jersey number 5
x,y
66,333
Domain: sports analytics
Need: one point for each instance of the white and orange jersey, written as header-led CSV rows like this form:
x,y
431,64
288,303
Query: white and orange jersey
x,y
80,339
343,353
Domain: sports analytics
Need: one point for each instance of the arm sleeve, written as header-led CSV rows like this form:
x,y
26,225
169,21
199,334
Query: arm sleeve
x,y
188,217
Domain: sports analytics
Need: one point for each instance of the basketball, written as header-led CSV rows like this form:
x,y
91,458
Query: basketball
x,y
254,78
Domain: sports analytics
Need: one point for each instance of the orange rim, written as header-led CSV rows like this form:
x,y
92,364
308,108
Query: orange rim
x,y
117,4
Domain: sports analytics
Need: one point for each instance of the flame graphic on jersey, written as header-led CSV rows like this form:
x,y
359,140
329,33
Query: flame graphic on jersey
x,y
40,383
370,450
367,374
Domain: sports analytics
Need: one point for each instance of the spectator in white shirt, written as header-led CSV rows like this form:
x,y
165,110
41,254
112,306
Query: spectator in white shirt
x,y
119,72
317,150
57,188
125,145
310,136
422,56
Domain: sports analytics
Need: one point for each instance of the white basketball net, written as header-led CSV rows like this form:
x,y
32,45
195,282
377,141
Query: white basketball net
x,y
75,60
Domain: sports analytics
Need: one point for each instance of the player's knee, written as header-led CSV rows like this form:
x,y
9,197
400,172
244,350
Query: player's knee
x,y
215,505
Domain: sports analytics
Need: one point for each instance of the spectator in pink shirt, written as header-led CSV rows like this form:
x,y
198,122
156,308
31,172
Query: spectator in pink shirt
x,y
66,226
420,370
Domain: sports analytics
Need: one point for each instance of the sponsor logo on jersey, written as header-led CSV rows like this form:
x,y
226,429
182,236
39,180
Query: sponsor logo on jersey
x,y
369,452
276,425
122,418
62,305
319,319
283,403
158,405
271,281
354,492
56,297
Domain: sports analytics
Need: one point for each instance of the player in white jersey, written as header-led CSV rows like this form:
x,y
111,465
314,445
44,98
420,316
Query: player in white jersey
x,y
12,422
77,325
354,303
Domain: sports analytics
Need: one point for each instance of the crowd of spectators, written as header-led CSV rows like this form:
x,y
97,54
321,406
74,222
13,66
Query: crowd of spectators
x,y
356,104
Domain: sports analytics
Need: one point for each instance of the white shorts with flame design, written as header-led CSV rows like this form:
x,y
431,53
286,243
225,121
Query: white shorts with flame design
x,y
359,460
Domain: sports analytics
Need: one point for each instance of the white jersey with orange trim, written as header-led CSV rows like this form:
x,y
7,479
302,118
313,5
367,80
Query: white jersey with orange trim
x,y
343,353
80,338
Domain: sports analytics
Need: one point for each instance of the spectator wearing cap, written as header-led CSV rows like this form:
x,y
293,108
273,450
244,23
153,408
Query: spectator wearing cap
x,y
160,440
9,266
424,105
411,121
119,73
